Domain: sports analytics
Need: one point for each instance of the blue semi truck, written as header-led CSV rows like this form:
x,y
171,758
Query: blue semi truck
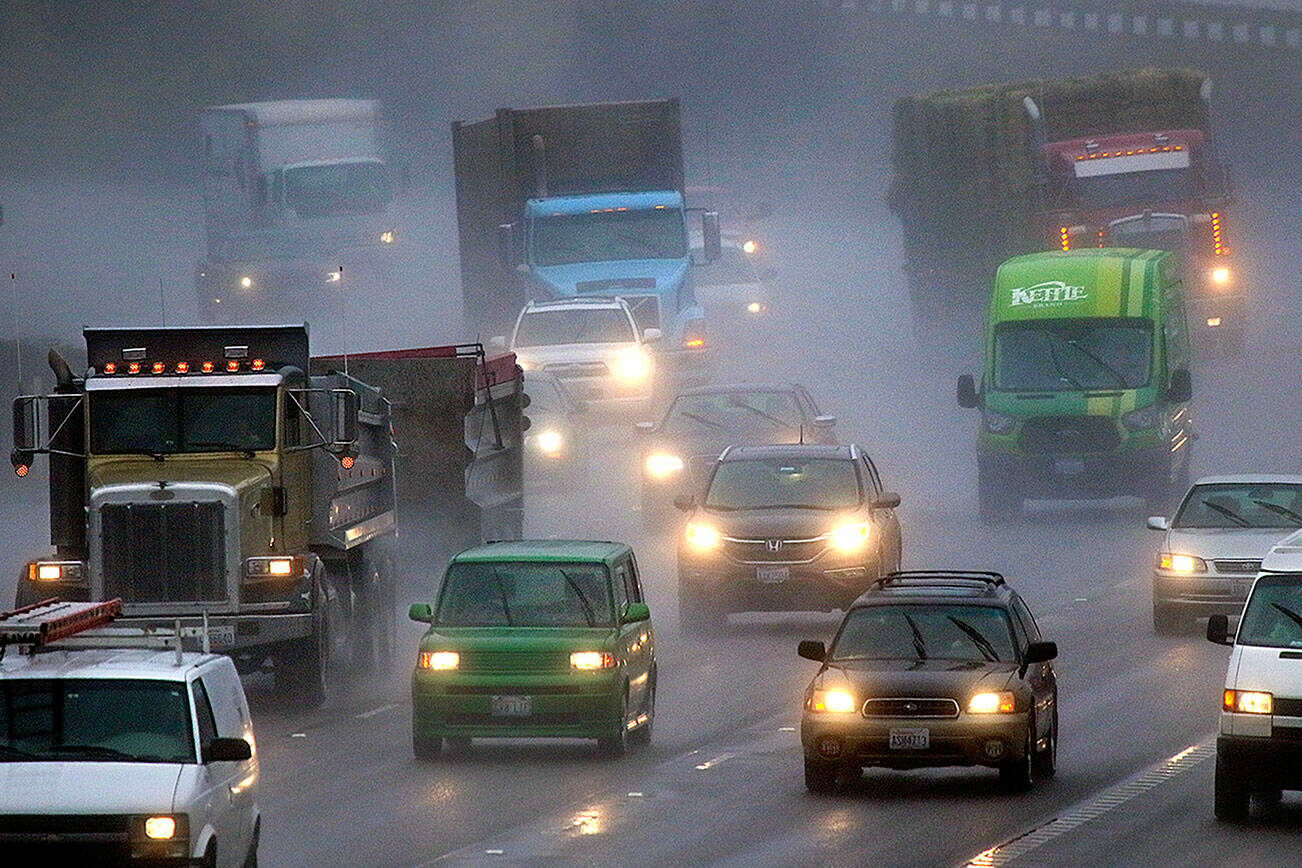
x,y
583,201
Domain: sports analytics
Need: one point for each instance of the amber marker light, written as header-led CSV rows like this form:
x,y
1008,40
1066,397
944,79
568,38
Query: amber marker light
x,y
233,365
347,462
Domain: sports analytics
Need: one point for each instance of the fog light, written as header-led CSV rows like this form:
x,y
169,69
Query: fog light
x,y
994,749
829,747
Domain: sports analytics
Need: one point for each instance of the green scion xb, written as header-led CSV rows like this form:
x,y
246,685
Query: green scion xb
x,y
536,638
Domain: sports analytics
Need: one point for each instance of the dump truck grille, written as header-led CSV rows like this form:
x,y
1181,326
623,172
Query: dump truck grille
x,y
164,552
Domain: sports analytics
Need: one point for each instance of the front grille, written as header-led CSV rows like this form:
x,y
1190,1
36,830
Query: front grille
x,y
1286,733
498,690
1242,567
1287,707
781,551
554,718
84,827
1068,435
514,661
572,370
164,552
905,707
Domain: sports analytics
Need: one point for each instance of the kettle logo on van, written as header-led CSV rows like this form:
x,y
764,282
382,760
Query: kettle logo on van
x,y
1048,293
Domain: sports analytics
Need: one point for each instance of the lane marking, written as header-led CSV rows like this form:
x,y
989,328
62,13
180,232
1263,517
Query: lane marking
x,y
709,764
1159,773
374,711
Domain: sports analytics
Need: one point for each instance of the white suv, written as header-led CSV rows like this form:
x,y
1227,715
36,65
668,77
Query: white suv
x,y
126,756
592,345
1259,748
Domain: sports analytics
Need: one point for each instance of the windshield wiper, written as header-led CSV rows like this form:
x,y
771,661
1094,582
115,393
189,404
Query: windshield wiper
x,y
90,750
1057,364
225,447
1121,381
919,646
978,639
742,405
1227,512
1294,616
501,593
588,612
1280,510
702,420
793,506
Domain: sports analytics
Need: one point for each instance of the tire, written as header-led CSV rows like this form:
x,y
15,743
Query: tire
x,y
996,504
1167,620
1045,762
642,735
1232,798
375,630
251,860
426,749
618,742
301,670
1018,775
210,855
697,614
821,778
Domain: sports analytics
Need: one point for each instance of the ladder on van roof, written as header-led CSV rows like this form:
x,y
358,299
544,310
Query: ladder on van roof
x,y
50,620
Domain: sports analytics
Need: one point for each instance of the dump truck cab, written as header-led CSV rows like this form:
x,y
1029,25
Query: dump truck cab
x,y
1085,383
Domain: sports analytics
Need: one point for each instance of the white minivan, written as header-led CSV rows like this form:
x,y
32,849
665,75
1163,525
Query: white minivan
x,y
126,756
1259,747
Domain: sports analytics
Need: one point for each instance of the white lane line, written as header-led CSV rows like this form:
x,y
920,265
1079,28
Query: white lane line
x,y
1156,774
374,711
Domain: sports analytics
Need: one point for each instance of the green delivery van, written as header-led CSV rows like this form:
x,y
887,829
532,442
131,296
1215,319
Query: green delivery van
x,y
1085,386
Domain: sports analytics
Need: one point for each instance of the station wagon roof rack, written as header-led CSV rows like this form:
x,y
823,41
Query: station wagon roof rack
x,y
89,625
942,578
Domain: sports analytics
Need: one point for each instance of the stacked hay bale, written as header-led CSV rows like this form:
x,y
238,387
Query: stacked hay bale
x,y
965,186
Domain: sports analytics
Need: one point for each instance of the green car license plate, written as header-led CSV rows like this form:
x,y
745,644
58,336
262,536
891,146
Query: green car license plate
x,y
512,706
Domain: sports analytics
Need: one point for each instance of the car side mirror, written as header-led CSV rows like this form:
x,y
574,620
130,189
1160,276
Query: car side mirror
x,y
227,750
1039,652
824,421
812,649
637,612
1181,388
497,342
1158,522
685,502
652,335
644,427
422,612
886,500
967,393
1218,630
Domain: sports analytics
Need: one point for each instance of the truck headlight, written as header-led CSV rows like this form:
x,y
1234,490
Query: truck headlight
x,y
992,703
1141,419
388,236
850,537
998,423
56,571
631,365
1180,563
836,701
160,836
701,537
661,464
1248,702
261,569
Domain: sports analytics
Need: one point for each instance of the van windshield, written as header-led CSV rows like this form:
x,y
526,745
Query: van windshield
x,y
1053,355
1273,617
524,594
94,720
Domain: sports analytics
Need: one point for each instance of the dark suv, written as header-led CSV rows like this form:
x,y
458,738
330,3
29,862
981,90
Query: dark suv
x,y
785,527
933,668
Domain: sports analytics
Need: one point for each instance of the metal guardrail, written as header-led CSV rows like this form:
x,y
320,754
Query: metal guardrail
x,y
1243,27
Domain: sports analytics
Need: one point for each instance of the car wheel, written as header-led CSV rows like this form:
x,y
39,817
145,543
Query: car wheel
x,y
1231,796
1166,620
642,735
426,749
1018,775
616,744
820,777
695,613
996,503
210,855
1046,761
251,860
300,669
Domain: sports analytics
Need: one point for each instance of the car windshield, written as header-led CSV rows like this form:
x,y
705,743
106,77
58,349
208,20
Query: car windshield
x,y
1221,505
94,720
732,411
1273,616
525,594
339,188
1054,355
602,325
925,632
776,483
167,421
609,235
1130,188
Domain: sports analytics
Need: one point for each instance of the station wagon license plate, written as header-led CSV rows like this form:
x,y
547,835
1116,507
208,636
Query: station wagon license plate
x,y
772,575
912,738
1069,466
512,706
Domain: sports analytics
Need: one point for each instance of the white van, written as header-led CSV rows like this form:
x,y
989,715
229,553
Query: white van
x,y
1259,748
129,756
